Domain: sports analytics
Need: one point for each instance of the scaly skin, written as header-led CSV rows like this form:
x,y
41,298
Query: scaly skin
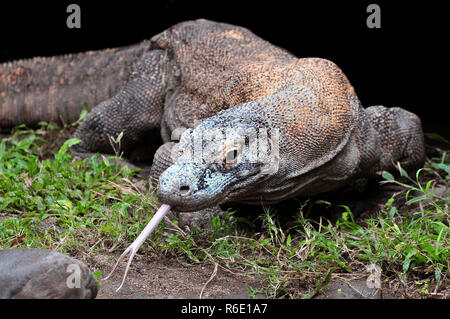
x,y
204,75
48,88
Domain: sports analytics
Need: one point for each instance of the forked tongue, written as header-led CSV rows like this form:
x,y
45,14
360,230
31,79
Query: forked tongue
x,y
133,248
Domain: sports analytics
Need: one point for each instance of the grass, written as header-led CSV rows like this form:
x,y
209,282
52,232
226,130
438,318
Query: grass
x,y
64,203
48,199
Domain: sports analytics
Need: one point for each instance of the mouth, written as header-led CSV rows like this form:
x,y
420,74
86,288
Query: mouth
x,y
187,201
186,204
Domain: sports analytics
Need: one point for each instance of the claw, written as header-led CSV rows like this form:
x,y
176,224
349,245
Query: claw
x,y
133,248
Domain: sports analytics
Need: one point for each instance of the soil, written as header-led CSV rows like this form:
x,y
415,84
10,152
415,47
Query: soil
x,y
154,278
150,278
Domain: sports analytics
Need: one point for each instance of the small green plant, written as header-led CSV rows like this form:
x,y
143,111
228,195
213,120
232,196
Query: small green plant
x,y
64,203
96,275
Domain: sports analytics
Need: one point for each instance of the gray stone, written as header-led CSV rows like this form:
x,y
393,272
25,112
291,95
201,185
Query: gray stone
x,y
42,274
349,289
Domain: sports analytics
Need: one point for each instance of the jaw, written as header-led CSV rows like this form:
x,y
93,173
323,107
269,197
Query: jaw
x,y
229,189
191,204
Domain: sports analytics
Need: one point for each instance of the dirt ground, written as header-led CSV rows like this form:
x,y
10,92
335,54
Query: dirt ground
x,y
151,278
168,279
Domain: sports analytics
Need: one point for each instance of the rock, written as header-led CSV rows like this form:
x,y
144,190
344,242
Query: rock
x,y
40,273
353,289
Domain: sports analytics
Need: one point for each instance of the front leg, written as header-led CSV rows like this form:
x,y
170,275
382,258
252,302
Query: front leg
x,y
200,219
400,138
136,109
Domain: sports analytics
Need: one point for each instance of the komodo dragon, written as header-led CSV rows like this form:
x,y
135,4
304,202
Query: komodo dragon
x,y
224,84
261,125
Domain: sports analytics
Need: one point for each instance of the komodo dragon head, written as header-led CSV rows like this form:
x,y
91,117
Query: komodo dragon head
x,y
223,159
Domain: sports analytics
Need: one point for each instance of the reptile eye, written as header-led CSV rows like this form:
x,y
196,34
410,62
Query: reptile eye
x,y
231,157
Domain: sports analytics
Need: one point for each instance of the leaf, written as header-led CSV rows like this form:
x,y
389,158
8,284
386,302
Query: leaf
x,y
67,144
396,229
320,285
64,204
441,166
83,114
436,251
439,226
407,193
437,275
417,177
322,202
288,240
392,212
97,274
401,170
407,263
428,186
429,249
389,202
4,202
387,176
216,222
118,138
416,199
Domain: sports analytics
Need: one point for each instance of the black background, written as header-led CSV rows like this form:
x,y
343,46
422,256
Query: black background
x,y
405,63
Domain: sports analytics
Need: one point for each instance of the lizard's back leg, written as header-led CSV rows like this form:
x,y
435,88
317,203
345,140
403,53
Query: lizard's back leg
x,y
134,110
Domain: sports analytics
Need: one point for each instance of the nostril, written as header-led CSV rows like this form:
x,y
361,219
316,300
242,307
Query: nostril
x,y
184,189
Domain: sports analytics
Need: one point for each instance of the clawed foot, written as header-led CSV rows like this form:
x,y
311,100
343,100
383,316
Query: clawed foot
x,y
189,221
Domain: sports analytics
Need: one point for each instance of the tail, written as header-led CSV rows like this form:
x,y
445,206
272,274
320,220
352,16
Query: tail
x,y
55,88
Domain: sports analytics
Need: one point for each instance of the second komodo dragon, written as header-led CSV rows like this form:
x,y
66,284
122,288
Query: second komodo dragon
x,y
228,88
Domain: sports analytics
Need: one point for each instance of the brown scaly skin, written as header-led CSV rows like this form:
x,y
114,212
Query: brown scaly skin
x,y
45,88
225,76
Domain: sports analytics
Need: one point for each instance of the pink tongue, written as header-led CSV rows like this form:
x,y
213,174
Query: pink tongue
x,y
133,248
